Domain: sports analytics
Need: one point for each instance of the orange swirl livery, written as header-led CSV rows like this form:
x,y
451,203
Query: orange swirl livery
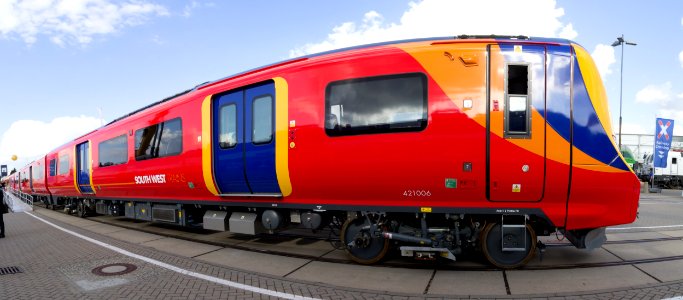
x,y
441,146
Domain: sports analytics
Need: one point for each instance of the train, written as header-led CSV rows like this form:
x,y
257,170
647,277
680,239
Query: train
x,y
670,176
434,147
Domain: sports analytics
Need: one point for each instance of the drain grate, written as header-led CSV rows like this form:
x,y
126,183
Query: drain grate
x,y
10,270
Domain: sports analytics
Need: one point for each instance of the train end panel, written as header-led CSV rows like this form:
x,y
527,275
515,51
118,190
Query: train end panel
x,y
604,190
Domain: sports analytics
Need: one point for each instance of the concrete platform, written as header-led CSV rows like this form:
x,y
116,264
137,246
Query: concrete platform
x,y
664,271
103,228
673,233
558,256
647,250
575,280
181,247
295,246
134,236
383,279
467,283
254,262
632,236
358,281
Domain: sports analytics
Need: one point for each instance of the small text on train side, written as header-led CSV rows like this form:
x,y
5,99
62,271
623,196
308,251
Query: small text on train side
x,y
147,179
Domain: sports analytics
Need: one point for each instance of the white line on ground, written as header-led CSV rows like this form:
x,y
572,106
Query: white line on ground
x,y
645,227
174,268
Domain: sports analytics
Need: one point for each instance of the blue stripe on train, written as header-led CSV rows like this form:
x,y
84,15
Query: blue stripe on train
x,y
589,133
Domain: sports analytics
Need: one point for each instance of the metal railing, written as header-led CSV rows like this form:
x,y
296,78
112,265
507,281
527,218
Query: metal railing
x,y
26,198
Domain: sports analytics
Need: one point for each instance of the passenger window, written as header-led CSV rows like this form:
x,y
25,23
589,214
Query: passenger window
x,y
53,167
227,137
674,160
63,165
159,140
37,172
113,151
517,116
395,103
262,131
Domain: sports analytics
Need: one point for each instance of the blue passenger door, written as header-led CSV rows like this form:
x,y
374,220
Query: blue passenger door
x,y
83,168
244,143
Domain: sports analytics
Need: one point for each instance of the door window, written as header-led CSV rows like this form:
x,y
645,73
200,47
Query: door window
x,y
228,126
262,131
517,116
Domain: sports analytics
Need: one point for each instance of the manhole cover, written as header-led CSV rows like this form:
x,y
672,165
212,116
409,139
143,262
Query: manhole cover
x,y
114,269
10,270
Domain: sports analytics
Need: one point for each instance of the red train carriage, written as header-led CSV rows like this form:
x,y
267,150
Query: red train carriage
x,y
25,180
446,145
14,182
37,180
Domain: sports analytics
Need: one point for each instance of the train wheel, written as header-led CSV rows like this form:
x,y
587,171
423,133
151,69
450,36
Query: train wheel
x,y
492,246
360,244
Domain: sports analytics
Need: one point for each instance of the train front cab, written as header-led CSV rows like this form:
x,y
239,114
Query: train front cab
x,y
550,135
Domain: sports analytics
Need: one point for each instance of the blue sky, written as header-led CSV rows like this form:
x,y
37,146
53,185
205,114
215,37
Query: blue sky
x,y
67,66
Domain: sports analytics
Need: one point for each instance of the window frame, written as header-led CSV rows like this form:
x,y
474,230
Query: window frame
x,y
506,116
220,123
53,167
424,121
99,151
157,140
59,163
272,118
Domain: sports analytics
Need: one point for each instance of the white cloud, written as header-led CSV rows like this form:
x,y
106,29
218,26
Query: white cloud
x,y
30,139
71,21
631,128
603,55
430,18
193,5
676,115
652,93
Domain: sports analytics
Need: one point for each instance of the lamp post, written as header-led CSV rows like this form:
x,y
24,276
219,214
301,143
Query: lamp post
x,y
620,42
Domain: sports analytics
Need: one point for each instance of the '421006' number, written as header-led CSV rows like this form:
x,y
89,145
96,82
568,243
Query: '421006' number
x,y
417,193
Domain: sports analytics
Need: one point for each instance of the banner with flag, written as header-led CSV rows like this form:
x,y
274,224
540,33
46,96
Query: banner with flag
x,y
663,135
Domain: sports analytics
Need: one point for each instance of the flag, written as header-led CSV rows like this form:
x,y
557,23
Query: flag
x,y
663,136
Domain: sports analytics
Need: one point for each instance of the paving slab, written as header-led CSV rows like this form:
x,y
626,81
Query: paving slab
x,y
180,247
665,270
104,228
673,233
291,245
72,220
468,283
253,261
134,236
630,236
337,254
566,255
524,282
647,250
224,238
394,280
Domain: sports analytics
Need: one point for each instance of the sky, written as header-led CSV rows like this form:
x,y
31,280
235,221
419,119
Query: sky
x,y
69,66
